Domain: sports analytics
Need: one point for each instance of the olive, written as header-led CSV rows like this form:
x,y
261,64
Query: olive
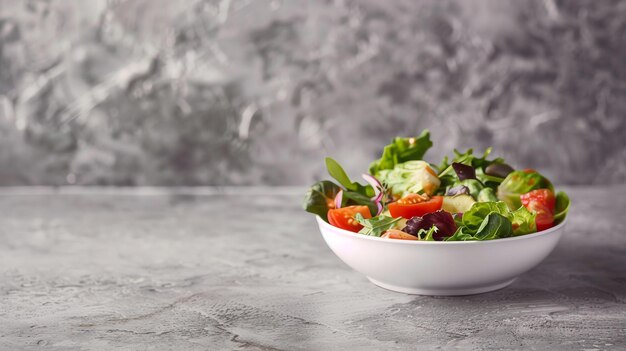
x,y
498,170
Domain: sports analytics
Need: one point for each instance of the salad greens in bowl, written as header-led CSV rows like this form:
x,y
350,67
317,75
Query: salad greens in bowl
x,y
507,220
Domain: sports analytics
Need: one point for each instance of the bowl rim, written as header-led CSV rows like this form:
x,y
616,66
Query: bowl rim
x,y
322,223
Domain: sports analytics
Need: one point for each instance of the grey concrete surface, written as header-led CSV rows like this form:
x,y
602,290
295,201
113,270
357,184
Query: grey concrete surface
x,y
246,269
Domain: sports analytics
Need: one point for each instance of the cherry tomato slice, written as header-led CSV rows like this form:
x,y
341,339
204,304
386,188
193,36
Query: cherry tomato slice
x,y
542,202
344,217
413,205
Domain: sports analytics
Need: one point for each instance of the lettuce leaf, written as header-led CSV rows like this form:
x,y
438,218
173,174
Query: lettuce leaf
x,y
494,226
449,178
518,183
493,220
474,217
411,177
561,207
523,221
401,150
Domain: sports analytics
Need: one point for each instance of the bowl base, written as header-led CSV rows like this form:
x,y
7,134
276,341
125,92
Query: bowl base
x,y
443,292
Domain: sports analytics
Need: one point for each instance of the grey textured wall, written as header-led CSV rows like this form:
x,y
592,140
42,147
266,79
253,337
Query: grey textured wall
x,y
257,92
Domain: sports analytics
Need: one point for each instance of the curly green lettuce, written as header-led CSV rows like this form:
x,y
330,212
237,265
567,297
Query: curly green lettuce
x,y
518,183
402,150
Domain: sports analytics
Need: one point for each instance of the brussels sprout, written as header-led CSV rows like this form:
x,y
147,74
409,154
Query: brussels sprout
x,y
487,195
518,183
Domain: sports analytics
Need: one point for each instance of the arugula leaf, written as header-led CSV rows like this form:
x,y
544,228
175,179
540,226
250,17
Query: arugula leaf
x,y
494,226
459,235
561,207
318,197
377,225
489,180
428,235
401,150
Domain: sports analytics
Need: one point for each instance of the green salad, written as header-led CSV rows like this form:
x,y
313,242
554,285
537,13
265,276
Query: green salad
x,y
466,197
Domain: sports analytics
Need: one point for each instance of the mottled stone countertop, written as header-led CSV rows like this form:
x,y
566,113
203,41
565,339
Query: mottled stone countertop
x,y
246,269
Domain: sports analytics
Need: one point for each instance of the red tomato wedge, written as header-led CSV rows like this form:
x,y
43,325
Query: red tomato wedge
x,y
542,202
344,217
414,205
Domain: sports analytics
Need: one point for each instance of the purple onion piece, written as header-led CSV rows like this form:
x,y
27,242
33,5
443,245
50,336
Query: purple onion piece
x,y
371,180
378,191
457,190
380,208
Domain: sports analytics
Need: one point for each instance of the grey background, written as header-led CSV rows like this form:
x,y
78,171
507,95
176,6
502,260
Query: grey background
x,y
257,92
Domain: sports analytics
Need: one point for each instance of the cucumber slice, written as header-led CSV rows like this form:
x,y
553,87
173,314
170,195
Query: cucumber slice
x,y
457,203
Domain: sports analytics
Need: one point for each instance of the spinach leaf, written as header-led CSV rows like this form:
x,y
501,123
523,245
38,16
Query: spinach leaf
x,y
494,226
479,218
318,197
377,225
355,193
401,150
336,171
561,207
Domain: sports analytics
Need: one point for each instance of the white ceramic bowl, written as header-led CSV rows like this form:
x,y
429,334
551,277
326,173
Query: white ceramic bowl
x,y
440,268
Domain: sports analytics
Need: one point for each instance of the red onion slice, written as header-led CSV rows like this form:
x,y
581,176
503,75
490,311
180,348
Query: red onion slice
x,y
338,199
378,198
378,191
375,184
380,208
